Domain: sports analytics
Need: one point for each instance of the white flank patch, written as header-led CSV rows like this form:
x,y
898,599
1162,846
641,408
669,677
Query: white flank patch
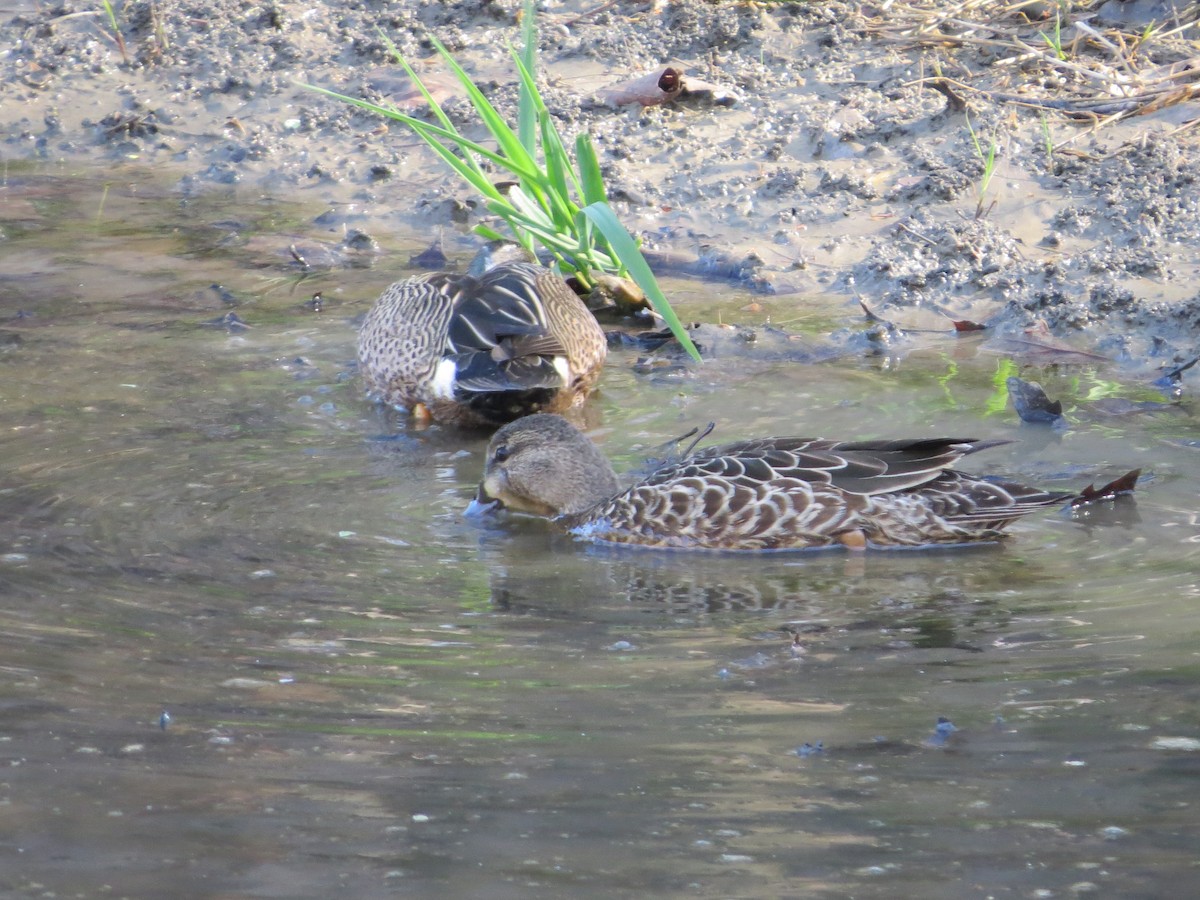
x,y
443,379
563,367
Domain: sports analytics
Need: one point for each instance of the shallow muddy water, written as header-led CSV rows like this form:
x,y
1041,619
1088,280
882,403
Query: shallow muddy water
x,y
251,648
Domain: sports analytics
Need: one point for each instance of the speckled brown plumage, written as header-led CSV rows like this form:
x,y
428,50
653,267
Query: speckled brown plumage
x,y
481,350
770,494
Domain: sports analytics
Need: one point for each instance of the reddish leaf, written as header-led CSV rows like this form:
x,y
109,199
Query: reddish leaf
x,y
650,89
1122,485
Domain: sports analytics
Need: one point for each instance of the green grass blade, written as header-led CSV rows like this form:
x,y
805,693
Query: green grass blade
x,y
561,176
426,129
557,160
507,140
631,257
529,208
515,157
519,156
434,106
527,104
488,233
591,180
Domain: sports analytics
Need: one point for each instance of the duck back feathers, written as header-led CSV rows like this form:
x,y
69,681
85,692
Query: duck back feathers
x,y
784,493
481,350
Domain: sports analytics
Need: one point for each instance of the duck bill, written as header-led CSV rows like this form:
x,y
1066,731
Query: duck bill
x,y
482,505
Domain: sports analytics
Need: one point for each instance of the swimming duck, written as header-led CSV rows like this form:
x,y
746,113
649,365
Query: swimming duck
x,y
506,339
769,494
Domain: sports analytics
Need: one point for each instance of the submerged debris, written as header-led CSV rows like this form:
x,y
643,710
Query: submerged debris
x,y
941,732
1171,384
1032,404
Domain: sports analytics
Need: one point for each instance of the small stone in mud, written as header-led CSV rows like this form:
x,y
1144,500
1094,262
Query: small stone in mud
x,y
361,241
226,296
432,257
1032,404
231,322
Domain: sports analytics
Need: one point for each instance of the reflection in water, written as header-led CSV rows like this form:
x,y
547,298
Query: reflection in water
x,y
368,695
687,583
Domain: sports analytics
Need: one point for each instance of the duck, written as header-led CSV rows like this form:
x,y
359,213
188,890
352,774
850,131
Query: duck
x,y
765,494
506,339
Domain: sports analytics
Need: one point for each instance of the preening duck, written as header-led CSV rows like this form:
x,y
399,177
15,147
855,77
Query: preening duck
x,y
504,340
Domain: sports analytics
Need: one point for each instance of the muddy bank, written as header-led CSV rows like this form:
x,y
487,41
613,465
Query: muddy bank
x,y
847,165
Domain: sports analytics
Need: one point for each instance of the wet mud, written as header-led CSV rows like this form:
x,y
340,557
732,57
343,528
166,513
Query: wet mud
x,y
998,167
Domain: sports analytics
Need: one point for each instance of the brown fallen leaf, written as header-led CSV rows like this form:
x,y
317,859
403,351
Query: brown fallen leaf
x,y
961,325
615,293
1122,485
650,89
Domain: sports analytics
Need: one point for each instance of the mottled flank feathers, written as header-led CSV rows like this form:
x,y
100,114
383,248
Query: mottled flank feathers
x,y
769,494
480,350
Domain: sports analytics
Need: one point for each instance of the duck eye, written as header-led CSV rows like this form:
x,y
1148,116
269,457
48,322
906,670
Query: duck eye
x,y
501,453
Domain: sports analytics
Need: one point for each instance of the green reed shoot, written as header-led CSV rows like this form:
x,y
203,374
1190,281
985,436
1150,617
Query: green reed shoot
x,y
1047,142
116,28
557,202
987,155
1055,39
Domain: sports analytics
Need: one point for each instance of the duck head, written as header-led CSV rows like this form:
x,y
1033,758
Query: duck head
x,y
543,465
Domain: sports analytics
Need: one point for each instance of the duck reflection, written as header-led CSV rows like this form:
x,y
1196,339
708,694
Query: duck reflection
x,y
937,598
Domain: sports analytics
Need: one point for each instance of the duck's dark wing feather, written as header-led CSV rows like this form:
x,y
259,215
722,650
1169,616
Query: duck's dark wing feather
x,y
499,337
857,467
481,373
499,309
970,501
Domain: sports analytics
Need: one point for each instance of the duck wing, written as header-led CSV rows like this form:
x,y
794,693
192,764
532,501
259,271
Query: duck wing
x,y
867,468
886,473
499,336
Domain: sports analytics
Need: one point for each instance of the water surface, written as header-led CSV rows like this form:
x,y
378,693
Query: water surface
x,y
368,695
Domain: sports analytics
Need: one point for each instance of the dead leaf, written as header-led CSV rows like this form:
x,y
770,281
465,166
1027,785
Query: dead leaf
x,y
612,292
961,325
650,89
1122,485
